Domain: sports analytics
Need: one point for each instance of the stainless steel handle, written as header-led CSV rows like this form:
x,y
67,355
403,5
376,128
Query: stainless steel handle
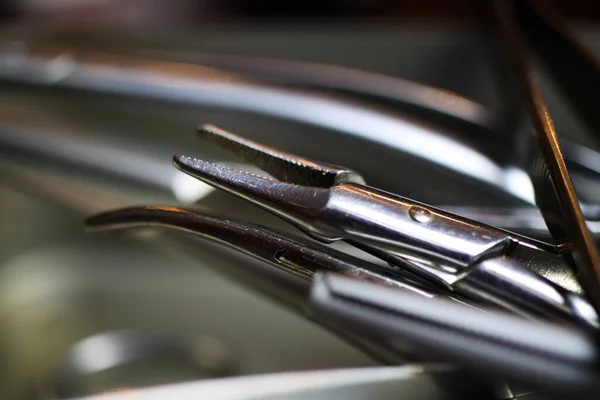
x,y
408,229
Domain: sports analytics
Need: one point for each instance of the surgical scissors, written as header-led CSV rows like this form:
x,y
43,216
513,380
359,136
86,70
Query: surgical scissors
x,y
537,148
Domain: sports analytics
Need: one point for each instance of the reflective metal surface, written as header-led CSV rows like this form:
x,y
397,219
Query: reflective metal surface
x,y
472,122
442,248
298,258
71,291
117,361
126,76
432,103
527,221
415,382
538,150
299,261
558,359
135,289
328,208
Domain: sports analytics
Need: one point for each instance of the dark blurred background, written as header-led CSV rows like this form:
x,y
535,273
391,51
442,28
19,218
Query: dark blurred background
x,y
182,13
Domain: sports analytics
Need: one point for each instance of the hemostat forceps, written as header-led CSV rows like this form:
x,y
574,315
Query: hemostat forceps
x,y
294,256
298,259
331,203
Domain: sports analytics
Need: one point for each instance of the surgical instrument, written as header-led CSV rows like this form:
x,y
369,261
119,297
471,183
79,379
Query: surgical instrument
x,y
295,261
398,192
298,258
76,68
431,103
72,68
553,42
36,142
480,127
561,361
308,262
538,151
331,203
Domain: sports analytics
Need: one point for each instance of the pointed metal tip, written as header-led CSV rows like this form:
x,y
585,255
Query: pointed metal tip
x,y
289,201
286,167
252,187
94,223
108,221
210,133
192,166
142,216
202,170
209,128
183,163
217,175
115,219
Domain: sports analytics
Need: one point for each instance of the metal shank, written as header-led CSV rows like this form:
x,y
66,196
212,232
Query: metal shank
x,y
408,229
554,191
466,257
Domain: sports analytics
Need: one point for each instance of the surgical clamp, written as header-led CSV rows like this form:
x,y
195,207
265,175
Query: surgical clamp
x,y
294,256
295,261
331,203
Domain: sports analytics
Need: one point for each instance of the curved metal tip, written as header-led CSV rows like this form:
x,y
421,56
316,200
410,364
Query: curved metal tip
x,y
278,197
232,180
101,222
132,217
283,166
299,205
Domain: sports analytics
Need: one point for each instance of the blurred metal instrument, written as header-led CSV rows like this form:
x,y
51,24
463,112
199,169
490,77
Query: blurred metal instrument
x,y
24,140
415,382
137,357
537,149
559,360
471,122
80,69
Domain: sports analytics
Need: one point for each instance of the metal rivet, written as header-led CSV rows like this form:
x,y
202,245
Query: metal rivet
x,y
419,214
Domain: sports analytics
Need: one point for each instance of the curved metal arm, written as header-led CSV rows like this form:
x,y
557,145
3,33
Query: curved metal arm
x,y
184,83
